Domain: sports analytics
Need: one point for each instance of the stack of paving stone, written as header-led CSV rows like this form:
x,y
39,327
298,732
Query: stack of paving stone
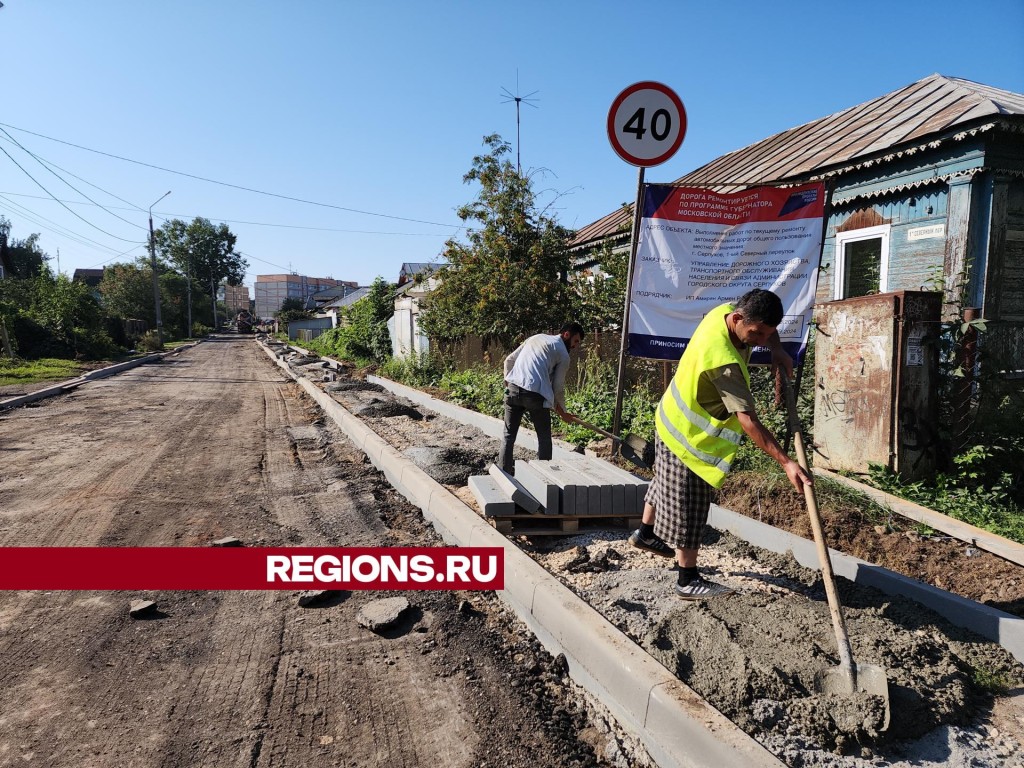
x,y
555,496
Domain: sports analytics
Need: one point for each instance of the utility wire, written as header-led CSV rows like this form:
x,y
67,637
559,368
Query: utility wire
x,y
60,230
46,165
235,186
250,256
132,205
122,253
166,216
108,234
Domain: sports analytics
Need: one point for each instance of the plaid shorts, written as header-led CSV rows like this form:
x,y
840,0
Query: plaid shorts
x,y
681,499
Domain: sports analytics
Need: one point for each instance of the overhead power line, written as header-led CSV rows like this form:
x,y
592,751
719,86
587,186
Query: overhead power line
x,y
57,229
46,165
235,186
39,184
17,210
166,216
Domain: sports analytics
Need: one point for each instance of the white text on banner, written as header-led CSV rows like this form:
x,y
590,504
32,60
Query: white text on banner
x,y
698,249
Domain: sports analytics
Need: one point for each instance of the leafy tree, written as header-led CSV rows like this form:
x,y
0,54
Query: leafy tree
x,y
205,254
363,333
292,309
127,291
66,308
26,258
43,314
510,279
366,322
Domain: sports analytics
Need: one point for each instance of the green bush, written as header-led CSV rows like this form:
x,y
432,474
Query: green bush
x,y
481,389
593,400
32,340
199,330
415,370
95,344
148,342
958,495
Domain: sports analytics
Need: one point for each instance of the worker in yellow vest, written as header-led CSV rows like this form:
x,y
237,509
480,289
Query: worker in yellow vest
x,y
700,422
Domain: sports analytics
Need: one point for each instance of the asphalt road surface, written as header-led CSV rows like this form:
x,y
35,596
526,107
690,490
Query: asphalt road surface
x,y
216,442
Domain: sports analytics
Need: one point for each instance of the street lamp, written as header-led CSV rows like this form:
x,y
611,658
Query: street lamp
x,y
156,281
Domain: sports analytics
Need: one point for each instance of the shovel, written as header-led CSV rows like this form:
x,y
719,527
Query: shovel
x,y
632,448
848,678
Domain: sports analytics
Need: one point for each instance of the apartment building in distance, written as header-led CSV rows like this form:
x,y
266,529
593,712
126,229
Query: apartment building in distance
x,y
272,290
235,298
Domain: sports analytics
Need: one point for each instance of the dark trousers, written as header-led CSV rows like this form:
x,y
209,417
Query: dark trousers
x,y
517,402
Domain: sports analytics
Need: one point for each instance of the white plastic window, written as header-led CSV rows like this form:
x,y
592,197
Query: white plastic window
x,y
862,262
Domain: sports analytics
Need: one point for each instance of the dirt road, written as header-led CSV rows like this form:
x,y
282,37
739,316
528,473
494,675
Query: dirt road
x,y
214,443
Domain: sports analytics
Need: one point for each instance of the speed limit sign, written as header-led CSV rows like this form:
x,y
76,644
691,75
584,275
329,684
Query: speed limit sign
x,y
646,124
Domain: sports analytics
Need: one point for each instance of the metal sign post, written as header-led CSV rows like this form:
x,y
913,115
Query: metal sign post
x,y
620,381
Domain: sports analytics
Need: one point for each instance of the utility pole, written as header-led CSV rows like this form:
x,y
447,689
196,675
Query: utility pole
x,y
156,279
188,283
213,293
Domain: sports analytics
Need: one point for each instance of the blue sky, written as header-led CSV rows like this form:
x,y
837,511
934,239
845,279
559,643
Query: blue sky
x,y
380,107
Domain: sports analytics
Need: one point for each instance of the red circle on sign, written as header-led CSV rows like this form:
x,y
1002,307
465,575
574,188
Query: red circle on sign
x,y
668,150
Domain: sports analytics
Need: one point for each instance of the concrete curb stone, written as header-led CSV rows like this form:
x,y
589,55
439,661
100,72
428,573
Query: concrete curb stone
x,y
998,626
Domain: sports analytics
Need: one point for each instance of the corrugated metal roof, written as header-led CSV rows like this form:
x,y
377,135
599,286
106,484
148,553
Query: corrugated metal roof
x,y
411,268
619,220
924,112
351,298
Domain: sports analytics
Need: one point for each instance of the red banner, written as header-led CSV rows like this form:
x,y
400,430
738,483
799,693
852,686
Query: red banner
x,y
292,568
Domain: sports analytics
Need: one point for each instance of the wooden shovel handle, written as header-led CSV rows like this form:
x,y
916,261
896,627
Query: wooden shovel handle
x,y
827,575
594,428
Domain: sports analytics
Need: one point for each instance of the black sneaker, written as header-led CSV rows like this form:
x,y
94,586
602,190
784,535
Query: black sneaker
x,y
702,589
654,545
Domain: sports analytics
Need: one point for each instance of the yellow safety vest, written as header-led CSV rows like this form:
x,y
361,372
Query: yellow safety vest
x,y
703,443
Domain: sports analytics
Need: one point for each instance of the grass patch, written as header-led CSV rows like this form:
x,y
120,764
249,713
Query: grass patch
x,y
988,507
35,371
991,681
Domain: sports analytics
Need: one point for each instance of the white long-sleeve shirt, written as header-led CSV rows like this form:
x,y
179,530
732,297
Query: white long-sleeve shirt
x,y
539,365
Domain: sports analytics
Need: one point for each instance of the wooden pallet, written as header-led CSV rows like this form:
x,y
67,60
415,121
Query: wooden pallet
x,y
560,525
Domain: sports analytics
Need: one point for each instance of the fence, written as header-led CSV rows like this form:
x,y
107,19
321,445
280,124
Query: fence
x,y
602,346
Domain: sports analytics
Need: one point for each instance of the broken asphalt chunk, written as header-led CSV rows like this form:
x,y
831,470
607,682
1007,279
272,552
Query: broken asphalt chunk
x,y
140,608
381,614
315,596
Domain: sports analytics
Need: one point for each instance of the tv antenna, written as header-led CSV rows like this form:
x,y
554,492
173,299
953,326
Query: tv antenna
x,y
527,99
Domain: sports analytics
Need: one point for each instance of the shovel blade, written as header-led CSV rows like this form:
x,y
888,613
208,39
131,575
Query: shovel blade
x,y
627,452
869,679
641,448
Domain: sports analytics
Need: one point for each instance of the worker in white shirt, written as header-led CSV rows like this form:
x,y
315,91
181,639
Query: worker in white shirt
x,y
535,384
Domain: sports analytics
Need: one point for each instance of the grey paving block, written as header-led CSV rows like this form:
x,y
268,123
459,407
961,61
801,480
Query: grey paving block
x,y
576,496
566,489
620,499
493,501
537,482
612,487
515,489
